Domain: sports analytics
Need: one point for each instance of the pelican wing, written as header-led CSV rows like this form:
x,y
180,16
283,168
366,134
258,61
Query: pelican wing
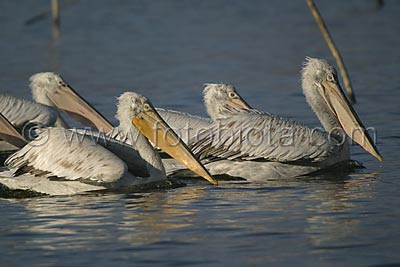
x,y
68,155
252,135
20,111
185,125
121,144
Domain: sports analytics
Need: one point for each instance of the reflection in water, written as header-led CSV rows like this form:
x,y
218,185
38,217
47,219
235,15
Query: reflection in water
x,y
56,33
87,219
54,55
234,217
336,215
158,214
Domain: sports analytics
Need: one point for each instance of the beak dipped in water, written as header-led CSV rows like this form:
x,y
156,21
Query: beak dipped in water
x,y
151,125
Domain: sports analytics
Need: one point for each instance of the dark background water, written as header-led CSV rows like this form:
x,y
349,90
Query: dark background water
x,y
167,50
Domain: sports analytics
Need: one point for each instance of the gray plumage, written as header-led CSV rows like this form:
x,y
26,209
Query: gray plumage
x,y
41,111
251,135
252,144
219,100
185,125
21,111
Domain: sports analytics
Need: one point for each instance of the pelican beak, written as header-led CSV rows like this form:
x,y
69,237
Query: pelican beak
x,y
69,101
238,103
348,118
151,125
9,134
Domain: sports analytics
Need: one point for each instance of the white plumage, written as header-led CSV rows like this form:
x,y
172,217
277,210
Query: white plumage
x,y
71,156
63,153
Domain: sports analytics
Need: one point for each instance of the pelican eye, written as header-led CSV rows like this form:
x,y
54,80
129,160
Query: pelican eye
x,y
146,107
232,95
330,78
61,83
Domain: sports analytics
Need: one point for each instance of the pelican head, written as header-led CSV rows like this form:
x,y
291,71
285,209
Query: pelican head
x,y
130,105
325,96
138,110
43,83
50,89
220,99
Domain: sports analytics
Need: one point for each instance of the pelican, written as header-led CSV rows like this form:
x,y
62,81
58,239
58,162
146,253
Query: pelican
x,y
218,104
254,145
25,113
86,166
41,110
51,93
